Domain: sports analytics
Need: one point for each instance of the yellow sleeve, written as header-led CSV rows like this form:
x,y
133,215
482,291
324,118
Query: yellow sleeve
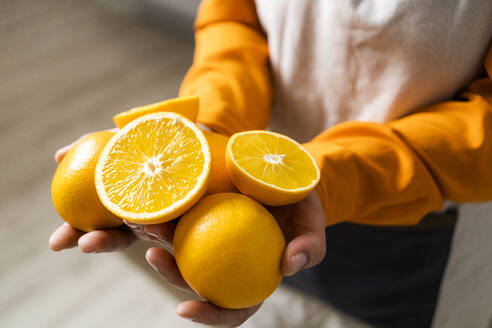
x,y
230,71
395,173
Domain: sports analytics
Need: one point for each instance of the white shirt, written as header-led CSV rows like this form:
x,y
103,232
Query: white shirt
x,y
369,60
377,60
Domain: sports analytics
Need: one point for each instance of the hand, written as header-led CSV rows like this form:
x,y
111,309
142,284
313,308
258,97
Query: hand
x,y
99,241
93,242
303,225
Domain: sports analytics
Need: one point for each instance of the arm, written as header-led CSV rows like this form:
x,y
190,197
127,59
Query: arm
x,y
395,173
230,70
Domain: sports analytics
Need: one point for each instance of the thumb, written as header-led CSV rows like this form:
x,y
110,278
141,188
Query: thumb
x,y
303,252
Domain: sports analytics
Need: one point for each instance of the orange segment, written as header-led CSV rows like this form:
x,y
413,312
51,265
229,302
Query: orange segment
x,y
270,167
153,169
186,106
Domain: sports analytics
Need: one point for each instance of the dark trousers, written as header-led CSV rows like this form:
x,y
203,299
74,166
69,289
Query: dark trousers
x,y
387,278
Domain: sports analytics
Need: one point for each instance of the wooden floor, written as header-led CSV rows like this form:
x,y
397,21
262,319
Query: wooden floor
x,y
65,68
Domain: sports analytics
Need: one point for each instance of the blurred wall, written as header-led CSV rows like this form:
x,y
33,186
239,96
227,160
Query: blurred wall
x,y
173,15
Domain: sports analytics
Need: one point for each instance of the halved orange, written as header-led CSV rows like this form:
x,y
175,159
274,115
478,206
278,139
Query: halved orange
x,y
270,167
154,169
186,106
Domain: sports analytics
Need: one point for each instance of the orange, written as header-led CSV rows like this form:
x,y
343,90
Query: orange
x,y
219,180
270,167
228,248
154,169
73,190
186,106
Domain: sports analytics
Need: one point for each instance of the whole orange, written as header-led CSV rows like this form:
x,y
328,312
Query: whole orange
x,y
228,248
219,180
73,189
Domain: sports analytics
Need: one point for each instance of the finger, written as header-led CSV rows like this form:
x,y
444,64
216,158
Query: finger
x,y
60,153
163,232
209,314
110,240
306,235
283,215
64,237
140,232
204,127
304,251
165,264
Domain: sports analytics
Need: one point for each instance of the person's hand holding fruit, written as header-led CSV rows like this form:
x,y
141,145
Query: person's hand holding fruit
x,y
302,224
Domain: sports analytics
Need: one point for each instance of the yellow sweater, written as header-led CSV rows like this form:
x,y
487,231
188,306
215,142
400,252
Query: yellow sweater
x,y
372,173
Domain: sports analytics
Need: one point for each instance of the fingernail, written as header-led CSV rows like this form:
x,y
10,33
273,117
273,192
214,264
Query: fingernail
x,y
298,262
158,239
180,310
151,264
152,234
132,225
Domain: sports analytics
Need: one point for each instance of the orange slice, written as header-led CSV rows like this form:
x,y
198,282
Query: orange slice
x,y
154,169
186,106
270,167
